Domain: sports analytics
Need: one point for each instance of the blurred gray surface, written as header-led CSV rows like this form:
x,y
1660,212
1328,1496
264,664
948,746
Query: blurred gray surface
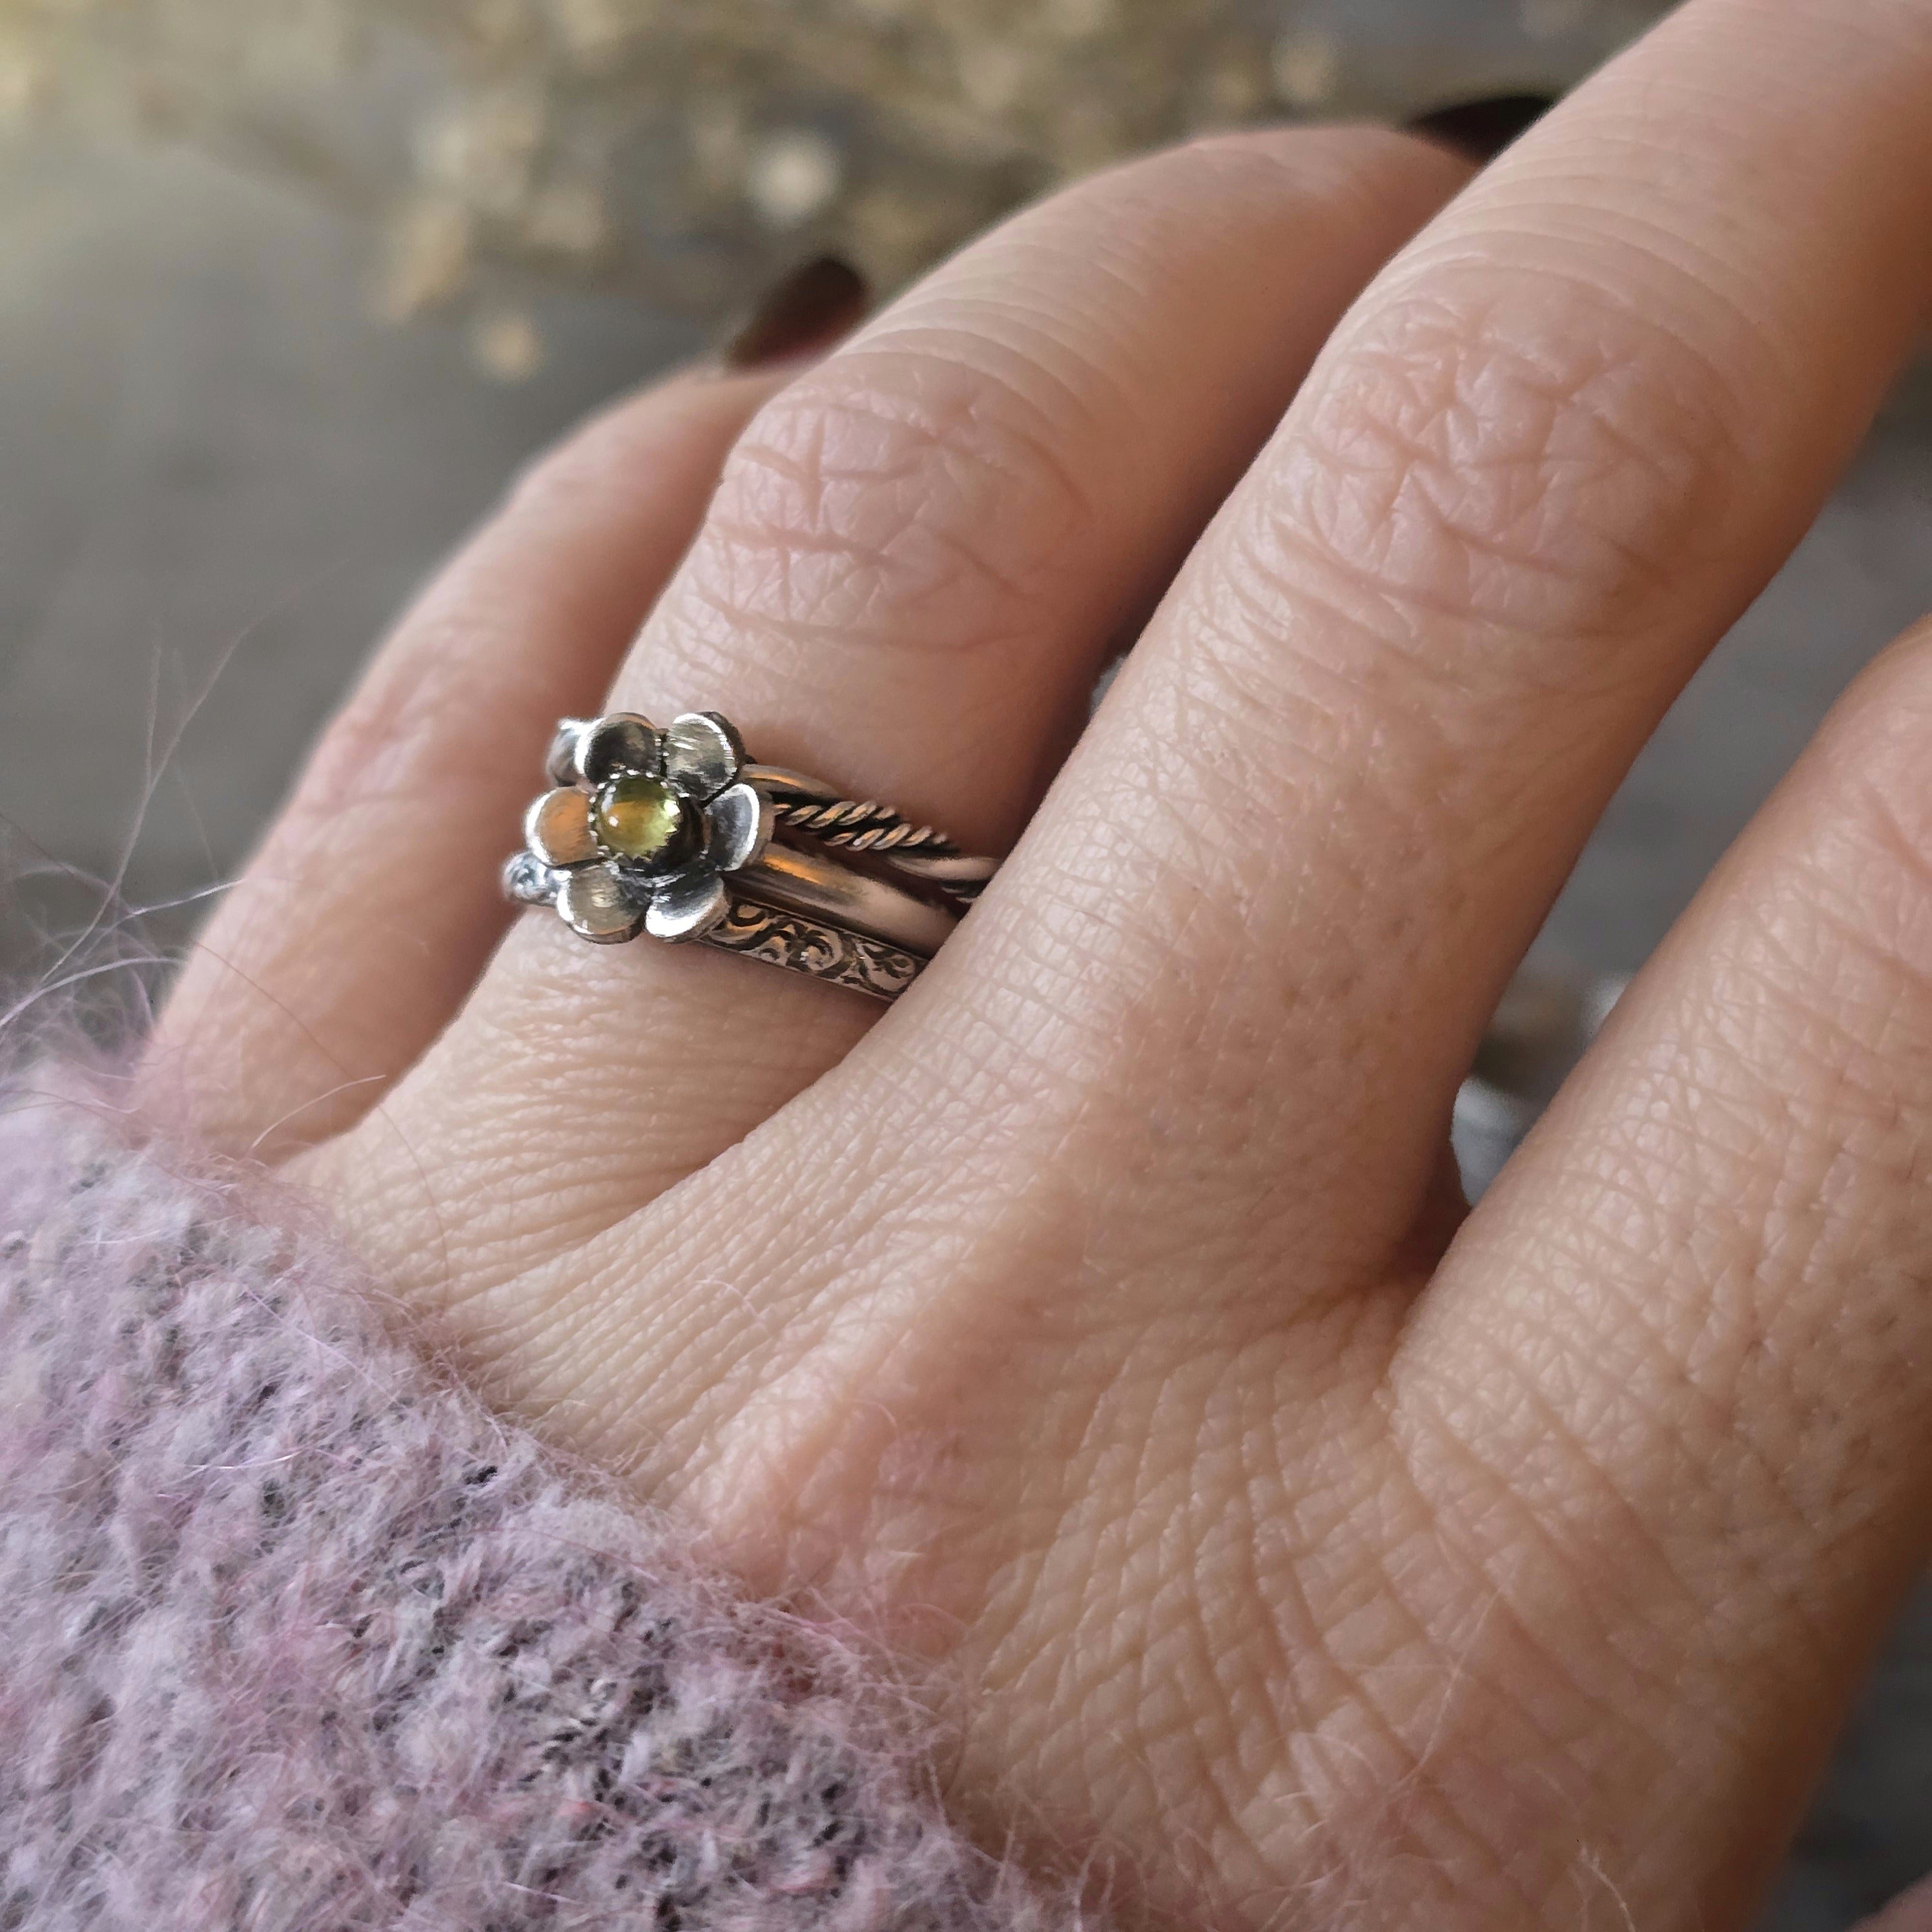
x,y
210,460
218,479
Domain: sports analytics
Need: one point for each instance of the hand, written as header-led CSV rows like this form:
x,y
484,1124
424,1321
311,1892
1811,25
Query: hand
x,y
1103,1321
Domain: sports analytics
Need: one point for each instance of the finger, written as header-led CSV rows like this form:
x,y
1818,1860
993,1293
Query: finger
x,y
918,560
1910,1911
363,919
1682,1353
1553,452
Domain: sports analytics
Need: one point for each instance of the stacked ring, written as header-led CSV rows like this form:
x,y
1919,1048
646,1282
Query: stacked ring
x,y
675,834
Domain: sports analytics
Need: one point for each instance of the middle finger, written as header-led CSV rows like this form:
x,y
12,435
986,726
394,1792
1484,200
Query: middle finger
x,y
1556,449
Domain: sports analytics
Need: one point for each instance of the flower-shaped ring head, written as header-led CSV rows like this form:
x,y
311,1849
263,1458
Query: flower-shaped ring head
x,y
645,825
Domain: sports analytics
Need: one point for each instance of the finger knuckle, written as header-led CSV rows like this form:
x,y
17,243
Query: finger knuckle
x,y
902,497
1516,451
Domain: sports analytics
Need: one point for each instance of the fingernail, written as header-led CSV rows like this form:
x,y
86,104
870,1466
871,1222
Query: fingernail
x,y
1481,130
809,307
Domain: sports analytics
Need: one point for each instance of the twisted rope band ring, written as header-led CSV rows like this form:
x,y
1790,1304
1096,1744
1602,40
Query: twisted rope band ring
x,y
675,833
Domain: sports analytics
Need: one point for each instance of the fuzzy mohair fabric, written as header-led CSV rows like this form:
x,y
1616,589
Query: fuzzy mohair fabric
x,y
294,1636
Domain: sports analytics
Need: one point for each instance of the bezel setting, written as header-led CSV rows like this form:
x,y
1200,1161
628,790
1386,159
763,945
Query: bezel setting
x,y
608,895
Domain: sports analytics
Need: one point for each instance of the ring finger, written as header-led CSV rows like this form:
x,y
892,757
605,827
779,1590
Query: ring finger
x,y
919,557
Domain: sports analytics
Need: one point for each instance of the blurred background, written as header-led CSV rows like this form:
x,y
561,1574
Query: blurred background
x,y
289,288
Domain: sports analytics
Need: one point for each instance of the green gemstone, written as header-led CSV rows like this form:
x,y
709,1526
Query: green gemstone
x,y
642,819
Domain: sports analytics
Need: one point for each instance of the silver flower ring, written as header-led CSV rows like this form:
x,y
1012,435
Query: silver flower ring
x,y
675,834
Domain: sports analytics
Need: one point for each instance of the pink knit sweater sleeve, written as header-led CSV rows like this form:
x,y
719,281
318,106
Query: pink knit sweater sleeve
x,y
298,1638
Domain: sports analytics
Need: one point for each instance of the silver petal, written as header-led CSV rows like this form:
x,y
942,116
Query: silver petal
x,y
738,827
689,908
560,766
593,904
618,741
702,753
557,828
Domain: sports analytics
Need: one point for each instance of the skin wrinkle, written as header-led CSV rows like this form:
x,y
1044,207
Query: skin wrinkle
x,y
1864,896
1418,754
959,437
1450,1451
1068,367
1558,243
1114,1622
1392,1788
1452,1805
1885,837
1616,1401
1206,846
1413,1803
942,1338
1623,1506
1455,416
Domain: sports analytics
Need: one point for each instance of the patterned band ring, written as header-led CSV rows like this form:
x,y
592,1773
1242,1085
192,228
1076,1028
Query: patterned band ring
x,y
675,834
